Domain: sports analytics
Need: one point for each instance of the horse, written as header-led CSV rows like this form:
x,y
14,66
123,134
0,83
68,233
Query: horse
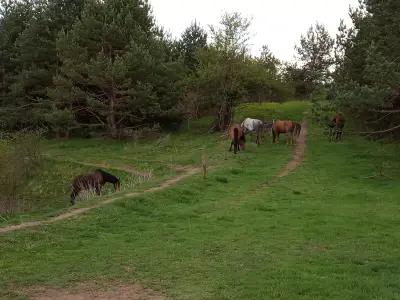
x,y
297,130
238,138
279,127
93,181
263,130
253,126
336,127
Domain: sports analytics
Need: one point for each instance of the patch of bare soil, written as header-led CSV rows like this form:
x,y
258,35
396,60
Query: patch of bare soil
x,y
298,153
86,292
186,172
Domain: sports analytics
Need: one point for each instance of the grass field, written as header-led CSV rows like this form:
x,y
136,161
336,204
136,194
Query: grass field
x,y
329,230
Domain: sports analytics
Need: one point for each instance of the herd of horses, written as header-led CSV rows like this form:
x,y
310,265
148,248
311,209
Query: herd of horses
x,y
237,132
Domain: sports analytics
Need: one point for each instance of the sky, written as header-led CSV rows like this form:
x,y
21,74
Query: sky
x,y
276,23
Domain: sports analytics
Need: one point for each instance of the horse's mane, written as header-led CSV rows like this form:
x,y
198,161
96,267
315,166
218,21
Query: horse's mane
x,y
107,177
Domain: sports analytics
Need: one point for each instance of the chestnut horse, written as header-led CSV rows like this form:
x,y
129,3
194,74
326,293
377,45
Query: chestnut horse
x,y
238,139
93,181
336,127
279,127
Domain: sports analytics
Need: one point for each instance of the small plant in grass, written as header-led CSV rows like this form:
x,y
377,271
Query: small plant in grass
x,y
204,165
221,179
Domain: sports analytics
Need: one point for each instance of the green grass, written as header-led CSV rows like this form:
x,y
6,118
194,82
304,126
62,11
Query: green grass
x,y
327,231
291,110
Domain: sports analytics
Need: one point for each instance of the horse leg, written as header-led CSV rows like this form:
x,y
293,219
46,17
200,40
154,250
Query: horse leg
x,y
73,196
98,190
230,148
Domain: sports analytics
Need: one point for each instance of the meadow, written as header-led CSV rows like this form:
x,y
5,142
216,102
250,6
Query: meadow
x,y
328,230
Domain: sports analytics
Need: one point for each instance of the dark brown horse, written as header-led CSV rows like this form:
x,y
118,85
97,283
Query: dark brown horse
x,y
238,138
336,127
297,130
94,181
279,127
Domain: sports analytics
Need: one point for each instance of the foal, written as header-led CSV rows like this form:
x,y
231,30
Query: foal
x,y
94,181
238,138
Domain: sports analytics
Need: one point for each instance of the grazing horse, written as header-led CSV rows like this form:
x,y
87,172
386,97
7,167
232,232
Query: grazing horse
x,y
297,130
336,127
93,181
279,127
263,130
238,138
253,125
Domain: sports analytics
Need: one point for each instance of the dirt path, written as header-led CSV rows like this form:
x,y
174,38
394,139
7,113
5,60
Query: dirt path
x,y
93,291
187,172
298,153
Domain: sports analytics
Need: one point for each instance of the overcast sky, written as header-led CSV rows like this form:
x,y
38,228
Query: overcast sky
x,y
277,23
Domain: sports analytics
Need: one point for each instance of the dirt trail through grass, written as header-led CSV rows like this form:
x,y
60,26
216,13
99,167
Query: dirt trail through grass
x,y
187,172
298,153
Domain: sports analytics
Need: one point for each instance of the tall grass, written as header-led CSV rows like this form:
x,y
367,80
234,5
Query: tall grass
x,y
20,159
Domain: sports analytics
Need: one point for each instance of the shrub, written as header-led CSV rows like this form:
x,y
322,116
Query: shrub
x,y
20,158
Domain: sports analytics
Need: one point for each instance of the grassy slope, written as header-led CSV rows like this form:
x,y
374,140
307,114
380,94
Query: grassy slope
x,y
326,231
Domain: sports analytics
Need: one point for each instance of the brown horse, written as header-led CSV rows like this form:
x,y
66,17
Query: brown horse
x,y
93,181
238,138
336,127
279,127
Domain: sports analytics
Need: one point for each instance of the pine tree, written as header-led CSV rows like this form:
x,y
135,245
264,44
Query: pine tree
x,y
115,67
315,53
193,38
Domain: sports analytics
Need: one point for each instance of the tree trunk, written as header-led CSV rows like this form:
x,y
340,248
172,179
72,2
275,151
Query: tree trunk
x,y
224,116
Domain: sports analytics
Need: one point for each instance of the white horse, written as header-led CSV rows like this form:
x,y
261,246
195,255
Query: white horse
x,y
251,125
254,125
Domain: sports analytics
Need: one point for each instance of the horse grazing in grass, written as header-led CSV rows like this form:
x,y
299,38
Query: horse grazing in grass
x,y
297,130
336,127
238,138
279,127
253,126
94,181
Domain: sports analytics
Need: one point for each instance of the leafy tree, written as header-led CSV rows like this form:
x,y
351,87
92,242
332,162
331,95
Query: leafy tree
x,y
218,77
315,54
269,61
232,36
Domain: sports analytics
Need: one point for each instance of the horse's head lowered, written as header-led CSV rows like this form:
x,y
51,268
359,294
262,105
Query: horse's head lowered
x,y
107,177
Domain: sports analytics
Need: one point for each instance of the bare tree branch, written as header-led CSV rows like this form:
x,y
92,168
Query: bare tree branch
x,y
384,111
382,131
